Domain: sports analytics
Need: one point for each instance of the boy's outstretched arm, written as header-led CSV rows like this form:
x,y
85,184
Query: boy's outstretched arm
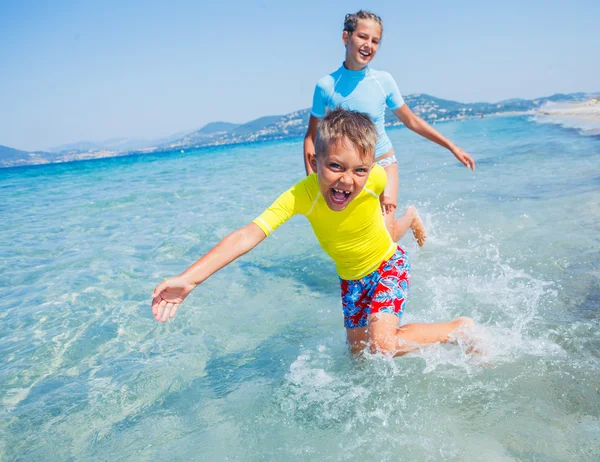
x,y
418,125
169,294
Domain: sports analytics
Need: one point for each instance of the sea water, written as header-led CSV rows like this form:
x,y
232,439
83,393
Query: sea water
x,y
255,366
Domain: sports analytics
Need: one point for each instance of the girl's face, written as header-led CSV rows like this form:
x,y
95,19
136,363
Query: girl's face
x,y
362,44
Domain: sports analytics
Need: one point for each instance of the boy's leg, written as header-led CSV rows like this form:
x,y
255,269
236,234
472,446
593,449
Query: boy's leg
x,y
410,219
355,306
385,336
357,339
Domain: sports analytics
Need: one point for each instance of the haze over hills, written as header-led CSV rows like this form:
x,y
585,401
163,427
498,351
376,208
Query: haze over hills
x,y
115,144
265,128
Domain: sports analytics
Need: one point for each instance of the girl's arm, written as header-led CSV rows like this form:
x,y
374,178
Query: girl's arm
x,y
169,294
309,143
418,125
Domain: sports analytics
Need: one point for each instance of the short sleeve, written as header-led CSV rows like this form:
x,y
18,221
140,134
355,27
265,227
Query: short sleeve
x,y
319,105
393,98
290,203
377,179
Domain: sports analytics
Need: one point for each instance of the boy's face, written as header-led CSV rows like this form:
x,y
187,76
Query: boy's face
x,y
342,174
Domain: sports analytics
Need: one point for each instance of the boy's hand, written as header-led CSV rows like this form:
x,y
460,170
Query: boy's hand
x,y
464,157
168,295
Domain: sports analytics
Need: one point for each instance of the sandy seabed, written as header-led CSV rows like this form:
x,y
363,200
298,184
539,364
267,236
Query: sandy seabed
x,y
583,115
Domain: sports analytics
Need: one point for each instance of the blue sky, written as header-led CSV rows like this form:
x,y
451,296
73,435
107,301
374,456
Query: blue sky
x,y
83,70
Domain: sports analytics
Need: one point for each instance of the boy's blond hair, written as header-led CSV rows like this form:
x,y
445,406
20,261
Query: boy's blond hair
x,y
354,126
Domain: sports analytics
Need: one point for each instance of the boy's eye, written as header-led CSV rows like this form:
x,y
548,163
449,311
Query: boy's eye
x,y
334,165
361,170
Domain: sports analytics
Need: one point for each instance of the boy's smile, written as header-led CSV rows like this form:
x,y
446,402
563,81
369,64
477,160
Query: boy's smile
x,y
342,173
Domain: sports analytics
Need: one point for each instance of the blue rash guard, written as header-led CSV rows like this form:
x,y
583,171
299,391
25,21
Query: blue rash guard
x,y
367,90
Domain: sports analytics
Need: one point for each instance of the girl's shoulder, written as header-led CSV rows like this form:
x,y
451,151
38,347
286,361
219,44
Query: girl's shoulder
x,y
380,75
327,81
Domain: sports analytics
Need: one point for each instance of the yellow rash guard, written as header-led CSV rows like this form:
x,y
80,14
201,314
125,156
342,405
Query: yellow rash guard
x,y
355,238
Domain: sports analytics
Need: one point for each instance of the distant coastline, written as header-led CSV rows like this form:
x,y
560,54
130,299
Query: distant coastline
x,y
574,109
583,116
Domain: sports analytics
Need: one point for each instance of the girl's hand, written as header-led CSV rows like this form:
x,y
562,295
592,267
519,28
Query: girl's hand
x,y
168,295
387,204
464,157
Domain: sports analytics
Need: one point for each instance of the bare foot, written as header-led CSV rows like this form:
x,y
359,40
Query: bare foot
x,y
464,321
473,344
462,327
417,226
463,333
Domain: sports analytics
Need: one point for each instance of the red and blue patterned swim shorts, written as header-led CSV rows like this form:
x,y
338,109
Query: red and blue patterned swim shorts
x,y
383,291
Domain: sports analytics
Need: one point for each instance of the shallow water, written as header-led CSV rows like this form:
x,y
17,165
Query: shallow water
x,y
255,367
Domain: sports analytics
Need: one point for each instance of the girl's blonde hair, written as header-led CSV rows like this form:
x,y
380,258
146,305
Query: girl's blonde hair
x,y
351,20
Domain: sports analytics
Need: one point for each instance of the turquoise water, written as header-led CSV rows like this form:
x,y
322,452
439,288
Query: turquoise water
x,y
255,367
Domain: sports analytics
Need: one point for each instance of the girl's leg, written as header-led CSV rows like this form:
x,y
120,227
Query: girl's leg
x,y
389,198
386,337
410,219
389,201
357,339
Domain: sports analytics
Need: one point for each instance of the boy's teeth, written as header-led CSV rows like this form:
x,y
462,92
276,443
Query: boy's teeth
x,y
338,196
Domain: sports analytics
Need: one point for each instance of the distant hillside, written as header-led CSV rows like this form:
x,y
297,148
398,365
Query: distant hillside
x,y
289,125
216,127
77,146
10,157
254,125
8,154
220,132
294,124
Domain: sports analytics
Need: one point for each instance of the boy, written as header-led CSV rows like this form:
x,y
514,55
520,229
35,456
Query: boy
x,y
341,202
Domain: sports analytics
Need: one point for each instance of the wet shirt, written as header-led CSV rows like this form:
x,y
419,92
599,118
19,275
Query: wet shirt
x,y
369,91
355,238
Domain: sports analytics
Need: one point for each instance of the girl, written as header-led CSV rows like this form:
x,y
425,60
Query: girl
x,y
358,87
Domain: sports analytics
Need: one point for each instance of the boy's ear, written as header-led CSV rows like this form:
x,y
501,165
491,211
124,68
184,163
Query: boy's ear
x,y
313,162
